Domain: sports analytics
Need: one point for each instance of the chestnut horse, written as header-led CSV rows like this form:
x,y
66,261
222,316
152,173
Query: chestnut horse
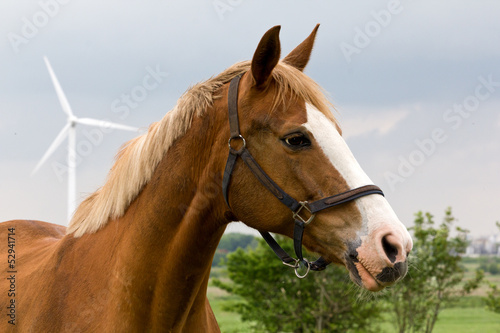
x,y
137,254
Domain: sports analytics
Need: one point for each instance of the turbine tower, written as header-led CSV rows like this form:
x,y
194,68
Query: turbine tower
x,y
69,130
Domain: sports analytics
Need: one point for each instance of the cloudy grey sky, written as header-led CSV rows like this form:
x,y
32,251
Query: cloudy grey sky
x,y
416,85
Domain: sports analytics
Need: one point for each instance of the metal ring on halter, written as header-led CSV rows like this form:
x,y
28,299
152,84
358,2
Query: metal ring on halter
x,y
308,265
237,137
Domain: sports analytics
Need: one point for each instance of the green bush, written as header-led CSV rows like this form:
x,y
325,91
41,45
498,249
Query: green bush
x,y
435,276
229,243
275,300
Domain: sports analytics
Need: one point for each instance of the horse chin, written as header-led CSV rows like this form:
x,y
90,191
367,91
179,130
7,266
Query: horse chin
x,y
367,280
361,276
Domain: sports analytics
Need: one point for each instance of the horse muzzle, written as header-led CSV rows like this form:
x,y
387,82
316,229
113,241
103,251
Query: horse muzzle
x,y
377,262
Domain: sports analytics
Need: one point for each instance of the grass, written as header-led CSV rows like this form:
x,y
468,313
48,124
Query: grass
x,y
229,322
460,320
468,315
469,319
471,267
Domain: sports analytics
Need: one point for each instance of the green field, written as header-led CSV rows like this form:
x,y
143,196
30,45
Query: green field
x,y
229,322
452,320
467,316
468,320
471,265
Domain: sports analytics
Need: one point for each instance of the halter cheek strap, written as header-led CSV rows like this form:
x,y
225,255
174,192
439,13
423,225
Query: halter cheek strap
x,y
303,212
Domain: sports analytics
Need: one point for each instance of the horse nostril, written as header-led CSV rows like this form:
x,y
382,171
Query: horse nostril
x,y
391,251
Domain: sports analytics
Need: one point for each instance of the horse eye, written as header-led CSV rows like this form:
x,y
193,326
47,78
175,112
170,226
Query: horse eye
x,y
297,141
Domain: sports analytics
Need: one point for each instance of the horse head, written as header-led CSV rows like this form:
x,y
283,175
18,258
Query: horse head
x,y
289,130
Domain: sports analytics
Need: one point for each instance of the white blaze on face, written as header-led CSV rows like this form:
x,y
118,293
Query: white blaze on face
x,y
374,209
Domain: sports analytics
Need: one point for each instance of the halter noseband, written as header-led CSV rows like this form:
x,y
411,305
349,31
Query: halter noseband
x,y
303,212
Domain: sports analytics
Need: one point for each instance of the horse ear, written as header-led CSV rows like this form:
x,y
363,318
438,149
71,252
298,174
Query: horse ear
x,y
299,57
266,56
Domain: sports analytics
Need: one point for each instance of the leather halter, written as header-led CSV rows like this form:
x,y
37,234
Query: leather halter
x,y
303,212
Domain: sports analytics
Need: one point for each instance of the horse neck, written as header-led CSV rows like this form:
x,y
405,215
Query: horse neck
x,y
170,232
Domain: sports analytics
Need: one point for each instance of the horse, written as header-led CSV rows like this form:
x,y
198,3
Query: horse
x,y
137,254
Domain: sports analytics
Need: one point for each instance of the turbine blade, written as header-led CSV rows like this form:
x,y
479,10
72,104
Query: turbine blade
x,y
105,124
60,93
58,140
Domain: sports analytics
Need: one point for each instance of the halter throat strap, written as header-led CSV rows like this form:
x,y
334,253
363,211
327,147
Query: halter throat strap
x,y
303,212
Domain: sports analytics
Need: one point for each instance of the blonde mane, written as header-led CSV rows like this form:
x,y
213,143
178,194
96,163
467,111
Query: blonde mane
x,y
138,159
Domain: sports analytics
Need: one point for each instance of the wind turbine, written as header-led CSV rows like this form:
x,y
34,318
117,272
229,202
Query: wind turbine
x,y
69,130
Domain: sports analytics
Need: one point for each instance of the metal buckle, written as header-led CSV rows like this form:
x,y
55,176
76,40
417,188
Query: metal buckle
x,y
294,265
237,137
303,204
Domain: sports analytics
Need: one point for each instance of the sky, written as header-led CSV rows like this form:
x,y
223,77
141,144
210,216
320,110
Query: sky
x,y
416,86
